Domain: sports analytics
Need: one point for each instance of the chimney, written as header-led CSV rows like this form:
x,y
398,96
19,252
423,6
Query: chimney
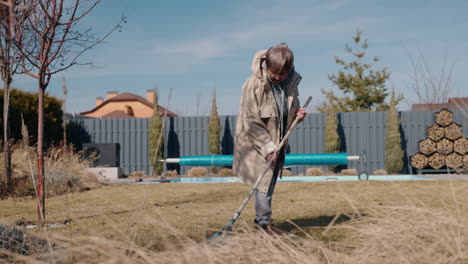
x,y
111,94
150,96
99,100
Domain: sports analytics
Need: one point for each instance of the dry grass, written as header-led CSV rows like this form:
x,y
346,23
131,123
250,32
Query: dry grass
x,y
64,171
314,172
380,172
137,174
286,172
349,172
226,172
346,222
172,173
197,172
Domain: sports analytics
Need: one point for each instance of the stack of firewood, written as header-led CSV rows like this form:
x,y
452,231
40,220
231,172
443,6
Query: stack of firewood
x,y
445,145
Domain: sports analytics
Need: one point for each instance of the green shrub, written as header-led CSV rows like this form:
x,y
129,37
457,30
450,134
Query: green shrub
x,y
25,104
393,150
332,138
156,140
214,129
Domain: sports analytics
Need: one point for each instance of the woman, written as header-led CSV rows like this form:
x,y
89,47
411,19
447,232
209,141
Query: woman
x,y
268,106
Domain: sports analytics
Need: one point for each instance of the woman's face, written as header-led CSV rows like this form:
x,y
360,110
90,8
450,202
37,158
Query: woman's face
x,y
278,77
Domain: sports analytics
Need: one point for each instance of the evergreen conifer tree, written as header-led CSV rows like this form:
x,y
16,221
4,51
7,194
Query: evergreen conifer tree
x,y
156,138
393,150
332,138
214,130
364,88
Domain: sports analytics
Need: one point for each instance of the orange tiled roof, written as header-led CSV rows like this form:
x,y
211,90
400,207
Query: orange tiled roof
x,y
125,97
452,104
117,114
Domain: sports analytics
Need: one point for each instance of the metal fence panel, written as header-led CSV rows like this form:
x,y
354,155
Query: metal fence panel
x,y
185,136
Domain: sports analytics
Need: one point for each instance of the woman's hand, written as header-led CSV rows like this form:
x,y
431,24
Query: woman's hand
x,y
300,113
273,157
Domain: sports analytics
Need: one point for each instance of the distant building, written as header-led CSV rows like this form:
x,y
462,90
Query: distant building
x,y
125,105
453,103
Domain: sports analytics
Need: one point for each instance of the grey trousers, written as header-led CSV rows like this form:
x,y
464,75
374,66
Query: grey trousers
x,y
263,202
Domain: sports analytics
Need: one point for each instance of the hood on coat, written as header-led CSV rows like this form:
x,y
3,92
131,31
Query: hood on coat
x,y
258,63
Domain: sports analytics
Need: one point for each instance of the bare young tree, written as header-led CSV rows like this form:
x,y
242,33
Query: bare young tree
x,y
51,40
64,110
427,85
8,67
201,109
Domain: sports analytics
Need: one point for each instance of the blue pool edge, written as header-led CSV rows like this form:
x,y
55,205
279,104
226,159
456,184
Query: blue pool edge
x,y
294,179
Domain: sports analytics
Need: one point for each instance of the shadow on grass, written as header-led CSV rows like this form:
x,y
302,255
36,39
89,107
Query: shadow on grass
x,y
321,221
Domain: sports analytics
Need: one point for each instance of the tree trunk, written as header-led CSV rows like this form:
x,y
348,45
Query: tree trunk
x,y
64,110
6,133
40,159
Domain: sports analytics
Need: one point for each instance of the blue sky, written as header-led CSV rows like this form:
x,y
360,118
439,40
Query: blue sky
x,y
194,47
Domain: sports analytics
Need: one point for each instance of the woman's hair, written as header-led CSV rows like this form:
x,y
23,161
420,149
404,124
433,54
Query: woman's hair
x,y
279,58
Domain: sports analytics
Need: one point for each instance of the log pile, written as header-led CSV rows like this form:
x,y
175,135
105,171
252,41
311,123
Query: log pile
x,y
427,146
461,146
435,132
419,161
444,117
454,160
437,161
453,131
445,145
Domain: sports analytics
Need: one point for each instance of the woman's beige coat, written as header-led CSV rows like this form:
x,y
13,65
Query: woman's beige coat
x,y
257,127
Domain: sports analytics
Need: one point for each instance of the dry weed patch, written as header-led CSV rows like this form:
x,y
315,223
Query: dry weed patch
x,y
226,172
172,173
380,172
137,174
349,172
314,172
65,171
197,172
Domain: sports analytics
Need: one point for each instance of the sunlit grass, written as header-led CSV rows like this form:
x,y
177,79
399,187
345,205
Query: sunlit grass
x,y
336,222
